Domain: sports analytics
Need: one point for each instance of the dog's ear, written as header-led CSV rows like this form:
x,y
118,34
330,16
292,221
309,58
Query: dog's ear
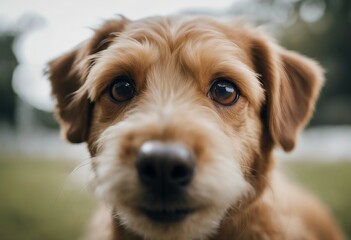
x,y
292,84
67,74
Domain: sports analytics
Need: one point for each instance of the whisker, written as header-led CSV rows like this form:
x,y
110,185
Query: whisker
x,y
69,179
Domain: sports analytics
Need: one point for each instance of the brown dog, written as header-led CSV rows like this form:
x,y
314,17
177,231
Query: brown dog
x,y
181,116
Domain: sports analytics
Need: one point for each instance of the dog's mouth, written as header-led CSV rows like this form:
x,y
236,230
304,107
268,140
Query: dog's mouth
x,y
167,215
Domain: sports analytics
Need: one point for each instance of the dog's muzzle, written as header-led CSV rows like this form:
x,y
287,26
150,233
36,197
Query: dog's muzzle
x,y
165,169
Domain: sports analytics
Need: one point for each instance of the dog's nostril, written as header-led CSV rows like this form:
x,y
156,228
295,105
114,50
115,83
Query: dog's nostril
x,y
148,172
164,165
181,174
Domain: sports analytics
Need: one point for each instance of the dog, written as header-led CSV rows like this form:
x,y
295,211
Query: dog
x,y
181,116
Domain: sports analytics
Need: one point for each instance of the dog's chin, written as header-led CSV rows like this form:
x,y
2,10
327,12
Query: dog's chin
x,y
171,223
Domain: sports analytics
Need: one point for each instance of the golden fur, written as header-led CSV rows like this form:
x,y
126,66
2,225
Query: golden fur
x,y
236,192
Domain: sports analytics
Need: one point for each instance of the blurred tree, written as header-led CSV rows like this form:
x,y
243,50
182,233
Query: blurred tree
x,y
11,105
327,39
8,63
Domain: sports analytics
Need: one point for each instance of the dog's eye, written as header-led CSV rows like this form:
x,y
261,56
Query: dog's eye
x,y
224,92
122,89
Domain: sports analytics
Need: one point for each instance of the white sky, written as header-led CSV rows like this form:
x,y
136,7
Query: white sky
x,y
67,23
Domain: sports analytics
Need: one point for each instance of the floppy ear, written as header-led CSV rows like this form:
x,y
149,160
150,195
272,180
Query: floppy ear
x,y
67,74
292,84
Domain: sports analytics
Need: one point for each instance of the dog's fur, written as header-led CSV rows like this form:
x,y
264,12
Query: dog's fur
x,y
236,192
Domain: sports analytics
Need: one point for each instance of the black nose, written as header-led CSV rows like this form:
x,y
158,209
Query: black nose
x,y
165,167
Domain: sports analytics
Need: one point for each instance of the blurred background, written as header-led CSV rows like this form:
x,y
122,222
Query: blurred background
x,y
43,180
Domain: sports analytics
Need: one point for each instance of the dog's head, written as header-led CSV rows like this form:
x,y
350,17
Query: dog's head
x,y
181,116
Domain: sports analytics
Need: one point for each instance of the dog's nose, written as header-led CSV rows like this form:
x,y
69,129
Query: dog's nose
x,y
165,167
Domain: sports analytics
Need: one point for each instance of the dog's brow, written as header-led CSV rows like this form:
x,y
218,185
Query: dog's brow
x,y
125,57
216,57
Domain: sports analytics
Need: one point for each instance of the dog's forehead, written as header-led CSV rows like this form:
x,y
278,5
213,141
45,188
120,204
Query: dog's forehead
x,y
175,32
174,27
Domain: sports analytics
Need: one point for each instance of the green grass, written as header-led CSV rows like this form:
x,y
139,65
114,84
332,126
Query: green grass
x,y
39,200
331,182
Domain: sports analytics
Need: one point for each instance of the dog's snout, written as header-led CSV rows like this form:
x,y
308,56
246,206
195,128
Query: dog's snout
x,y
165,167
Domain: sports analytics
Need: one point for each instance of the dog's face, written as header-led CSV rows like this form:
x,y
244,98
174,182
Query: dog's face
x,y
181,116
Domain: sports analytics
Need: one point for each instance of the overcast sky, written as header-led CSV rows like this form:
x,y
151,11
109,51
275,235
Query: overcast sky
x,y
66,23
